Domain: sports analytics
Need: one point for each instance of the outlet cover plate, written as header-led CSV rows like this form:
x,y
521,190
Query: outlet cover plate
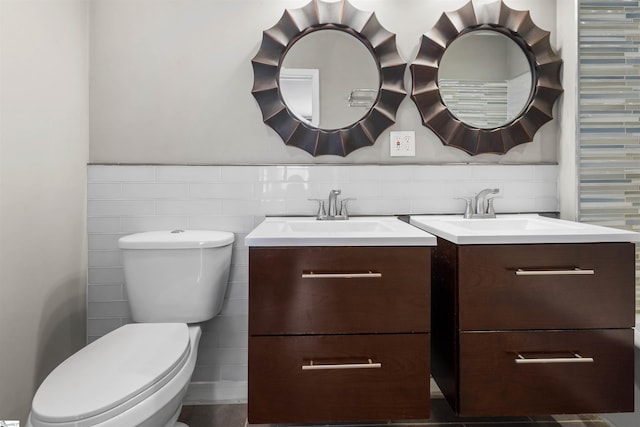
x,y
402,143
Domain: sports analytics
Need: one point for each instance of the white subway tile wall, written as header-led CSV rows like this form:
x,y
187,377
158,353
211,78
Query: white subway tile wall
x,y
130,199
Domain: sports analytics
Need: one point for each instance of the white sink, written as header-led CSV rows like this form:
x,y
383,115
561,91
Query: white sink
x,y
356,231
505,229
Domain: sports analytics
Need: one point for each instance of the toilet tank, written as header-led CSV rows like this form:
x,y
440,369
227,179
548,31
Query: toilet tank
x,y
176,276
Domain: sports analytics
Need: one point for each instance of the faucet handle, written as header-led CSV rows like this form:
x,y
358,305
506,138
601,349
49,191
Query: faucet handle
x,y
490,199
468,209
343,207
321,211
490,208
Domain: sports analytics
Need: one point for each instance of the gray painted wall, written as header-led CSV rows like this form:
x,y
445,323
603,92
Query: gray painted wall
x,y
44,149
171,83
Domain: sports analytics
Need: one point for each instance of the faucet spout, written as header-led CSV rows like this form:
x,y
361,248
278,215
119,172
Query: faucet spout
x,y
332,209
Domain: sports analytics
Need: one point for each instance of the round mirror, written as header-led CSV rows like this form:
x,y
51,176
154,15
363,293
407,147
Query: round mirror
x,y
455,71
485,79
329,79
360,47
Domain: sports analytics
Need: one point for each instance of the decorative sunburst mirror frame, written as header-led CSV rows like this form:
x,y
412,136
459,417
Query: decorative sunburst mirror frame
x,y
316,16
545,68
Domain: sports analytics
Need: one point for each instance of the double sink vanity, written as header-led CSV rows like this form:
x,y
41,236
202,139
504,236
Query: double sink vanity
x,y
512,315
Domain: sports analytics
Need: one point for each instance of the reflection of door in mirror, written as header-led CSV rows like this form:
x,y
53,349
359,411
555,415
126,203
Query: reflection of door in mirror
x,y
300,88
485,79
344,63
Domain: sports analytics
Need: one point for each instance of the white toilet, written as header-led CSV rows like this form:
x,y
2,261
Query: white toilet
x,y
138,374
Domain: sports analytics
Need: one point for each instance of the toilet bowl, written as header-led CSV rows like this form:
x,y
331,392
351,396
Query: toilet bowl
x,y
135,376
138,374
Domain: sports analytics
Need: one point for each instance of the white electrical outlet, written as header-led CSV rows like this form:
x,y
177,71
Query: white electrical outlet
x,y
402,143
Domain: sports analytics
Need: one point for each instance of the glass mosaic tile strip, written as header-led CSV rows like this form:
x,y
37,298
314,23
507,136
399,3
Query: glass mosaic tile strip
x,y
609,115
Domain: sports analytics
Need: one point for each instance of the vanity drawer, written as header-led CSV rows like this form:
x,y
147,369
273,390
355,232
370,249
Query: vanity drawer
x,y
564,286
326,290
492,382
305,379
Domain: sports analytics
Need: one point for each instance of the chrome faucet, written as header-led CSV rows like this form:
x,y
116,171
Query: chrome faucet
x,y
481,205
335,210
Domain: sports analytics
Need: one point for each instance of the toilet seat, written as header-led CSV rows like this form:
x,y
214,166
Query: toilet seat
x,y
111,375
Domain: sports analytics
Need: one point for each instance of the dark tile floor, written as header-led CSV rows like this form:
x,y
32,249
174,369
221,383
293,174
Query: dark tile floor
x,y
441,415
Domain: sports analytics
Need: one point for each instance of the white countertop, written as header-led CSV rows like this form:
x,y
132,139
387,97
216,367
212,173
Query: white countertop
x,y
515,229
356,231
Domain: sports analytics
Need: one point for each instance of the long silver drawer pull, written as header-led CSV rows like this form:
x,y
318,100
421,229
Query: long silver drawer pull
x,y
369,365
575,359
312,275
574,272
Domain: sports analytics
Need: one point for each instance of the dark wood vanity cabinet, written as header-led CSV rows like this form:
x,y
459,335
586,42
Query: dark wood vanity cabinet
x,y
534,329
338,334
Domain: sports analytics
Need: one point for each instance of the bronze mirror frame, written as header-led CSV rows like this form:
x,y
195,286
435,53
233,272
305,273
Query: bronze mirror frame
x,y
545,69
316,16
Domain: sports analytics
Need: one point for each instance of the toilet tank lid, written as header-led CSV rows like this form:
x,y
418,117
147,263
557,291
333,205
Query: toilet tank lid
x,y
176,239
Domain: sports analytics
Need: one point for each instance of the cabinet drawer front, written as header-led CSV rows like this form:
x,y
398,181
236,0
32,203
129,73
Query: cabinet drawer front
x,y
546,372
358,378
563,286
326,290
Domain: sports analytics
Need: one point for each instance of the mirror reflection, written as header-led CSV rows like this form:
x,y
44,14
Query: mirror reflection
x,y
485,79
329,79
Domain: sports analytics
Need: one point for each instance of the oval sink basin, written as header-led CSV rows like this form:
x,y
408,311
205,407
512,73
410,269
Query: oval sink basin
x,y
513,229
356,231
